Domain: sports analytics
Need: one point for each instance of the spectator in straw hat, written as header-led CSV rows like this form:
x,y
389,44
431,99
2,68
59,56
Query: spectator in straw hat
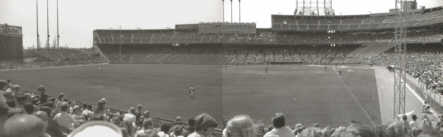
x,y
204,125
239,126
280,128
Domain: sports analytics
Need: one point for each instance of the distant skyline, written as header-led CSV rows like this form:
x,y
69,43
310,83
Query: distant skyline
x,y
80,17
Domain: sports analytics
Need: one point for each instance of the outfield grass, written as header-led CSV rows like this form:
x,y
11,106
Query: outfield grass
x,y
307,94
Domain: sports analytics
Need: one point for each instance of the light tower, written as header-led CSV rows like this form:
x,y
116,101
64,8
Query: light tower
x,y
231,12
47,24
239,10
400,44
223,11
313,7
57,45
36,22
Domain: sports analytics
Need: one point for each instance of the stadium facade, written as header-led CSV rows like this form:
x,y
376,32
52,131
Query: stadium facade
x,y
11,43
291,39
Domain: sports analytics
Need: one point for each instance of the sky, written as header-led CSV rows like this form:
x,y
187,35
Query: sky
x,y
80,17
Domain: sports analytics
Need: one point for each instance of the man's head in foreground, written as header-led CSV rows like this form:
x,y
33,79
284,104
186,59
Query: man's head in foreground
x,y
25,126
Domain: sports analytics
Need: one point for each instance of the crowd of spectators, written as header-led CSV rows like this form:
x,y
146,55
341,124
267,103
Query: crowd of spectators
x,y
35,113
426,68
34,58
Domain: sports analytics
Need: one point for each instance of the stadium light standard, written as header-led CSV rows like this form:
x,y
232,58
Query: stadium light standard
x,y
36,22
400,47
223,11
58,33
47,24
231,12
239,11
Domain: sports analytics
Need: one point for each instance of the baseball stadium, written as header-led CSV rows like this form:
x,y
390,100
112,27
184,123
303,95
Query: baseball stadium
x,y
320,70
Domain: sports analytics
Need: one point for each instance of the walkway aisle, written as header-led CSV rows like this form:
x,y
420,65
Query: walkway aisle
x,y
385,88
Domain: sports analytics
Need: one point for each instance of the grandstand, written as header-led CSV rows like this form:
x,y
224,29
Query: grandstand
x,y
292,38
318,70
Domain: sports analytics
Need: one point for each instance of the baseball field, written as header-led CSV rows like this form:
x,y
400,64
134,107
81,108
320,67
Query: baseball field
x,y
306,94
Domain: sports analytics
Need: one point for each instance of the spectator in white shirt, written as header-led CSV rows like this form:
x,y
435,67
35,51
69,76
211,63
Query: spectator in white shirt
x,y
280,128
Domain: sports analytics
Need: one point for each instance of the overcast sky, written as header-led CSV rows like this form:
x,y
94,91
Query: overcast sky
x,y
80,17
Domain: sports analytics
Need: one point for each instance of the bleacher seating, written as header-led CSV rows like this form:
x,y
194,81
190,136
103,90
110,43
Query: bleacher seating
x,y
291,23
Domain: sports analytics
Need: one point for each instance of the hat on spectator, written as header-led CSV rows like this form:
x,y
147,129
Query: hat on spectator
x,y
41,88
76,107
61,94
102,101
15,87
128,117
42,115
8,93
131,110
146,113
299,126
